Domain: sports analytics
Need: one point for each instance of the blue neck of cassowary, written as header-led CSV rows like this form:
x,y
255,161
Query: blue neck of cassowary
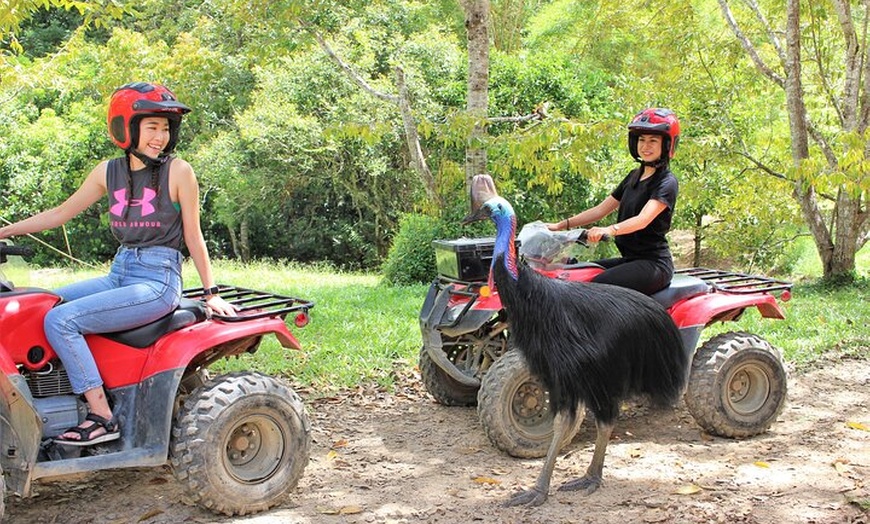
x,y
504,251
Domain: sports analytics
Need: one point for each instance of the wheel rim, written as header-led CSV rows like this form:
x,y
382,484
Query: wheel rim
x,y
748,389
254,449
530,408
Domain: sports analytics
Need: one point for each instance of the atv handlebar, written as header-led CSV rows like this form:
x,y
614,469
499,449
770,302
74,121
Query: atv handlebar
x,y
7,250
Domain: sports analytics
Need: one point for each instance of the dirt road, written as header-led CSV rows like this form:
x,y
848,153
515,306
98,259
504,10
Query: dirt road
x,y
400,458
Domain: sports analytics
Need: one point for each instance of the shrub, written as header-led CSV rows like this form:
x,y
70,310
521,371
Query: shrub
x,y
411,259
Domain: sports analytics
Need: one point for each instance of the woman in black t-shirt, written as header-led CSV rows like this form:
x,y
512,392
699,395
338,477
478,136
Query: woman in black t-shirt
x,y
645,200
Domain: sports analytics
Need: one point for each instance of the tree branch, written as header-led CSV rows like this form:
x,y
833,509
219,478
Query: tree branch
x,y
351,73
403,101
418,160
753,5
540,113
864,118
823,73
747,45
851,88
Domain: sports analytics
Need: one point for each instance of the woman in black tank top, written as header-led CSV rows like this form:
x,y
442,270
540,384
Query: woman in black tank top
x,y
153,209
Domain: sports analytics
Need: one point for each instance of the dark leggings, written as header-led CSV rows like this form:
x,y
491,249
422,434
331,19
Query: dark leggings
x,y
646,276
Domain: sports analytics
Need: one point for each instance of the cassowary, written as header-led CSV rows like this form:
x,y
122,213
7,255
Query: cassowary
x,y
591,345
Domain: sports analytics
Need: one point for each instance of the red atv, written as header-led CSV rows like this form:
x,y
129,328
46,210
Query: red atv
x,y
737,384
238,442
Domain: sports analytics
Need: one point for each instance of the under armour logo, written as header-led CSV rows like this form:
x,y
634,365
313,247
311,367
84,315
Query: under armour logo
x,y
120,195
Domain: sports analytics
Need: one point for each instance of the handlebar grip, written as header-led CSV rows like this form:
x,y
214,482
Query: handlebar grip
x,y
23,251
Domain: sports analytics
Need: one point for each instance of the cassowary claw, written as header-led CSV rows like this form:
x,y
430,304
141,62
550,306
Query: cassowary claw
x,y
532,497
587,483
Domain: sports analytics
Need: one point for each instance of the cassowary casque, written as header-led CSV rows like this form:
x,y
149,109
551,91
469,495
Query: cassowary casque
x,y
591,345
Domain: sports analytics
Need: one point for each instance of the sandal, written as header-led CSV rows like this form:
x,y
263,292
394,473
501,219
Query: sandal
x,y
113,432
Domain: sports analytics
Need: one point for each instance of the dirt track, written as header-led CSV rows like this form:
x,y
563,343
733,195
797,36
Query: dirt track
x,y
400,458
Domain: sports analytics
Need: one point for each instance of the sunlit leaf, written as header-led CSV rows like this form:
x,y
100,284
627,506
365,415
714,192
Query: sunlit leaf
x,y
486,480
688,489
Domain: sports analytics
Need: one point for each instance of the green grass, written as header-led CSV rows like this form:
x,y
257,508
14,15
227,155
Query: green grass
x,y
361,331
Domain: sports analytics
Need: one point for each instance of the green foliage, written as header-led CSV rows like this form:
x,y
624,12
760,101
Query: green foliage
x,y
411,258
295,154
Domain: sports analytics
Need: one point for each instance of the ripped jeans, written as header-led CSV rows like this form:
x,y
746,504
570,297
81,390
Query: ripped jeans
x,y
143,285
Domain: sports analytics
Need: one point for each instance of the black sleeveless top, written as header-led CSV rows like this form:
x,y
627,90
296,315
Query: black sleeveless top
x,y
146,216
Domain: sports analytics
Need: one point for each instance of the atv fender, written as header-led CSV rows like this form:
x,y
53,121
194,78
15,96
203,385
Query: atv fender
x,y
434,347
703,310
435,321
179,348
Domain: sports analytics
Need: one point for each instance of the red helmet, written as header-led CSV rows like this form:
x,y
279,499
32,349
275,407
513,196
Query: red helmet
x,y
133,101
654,121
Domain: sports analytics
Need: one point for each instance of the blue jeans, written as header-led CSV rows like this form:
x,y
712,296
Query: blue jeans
x,y
143,285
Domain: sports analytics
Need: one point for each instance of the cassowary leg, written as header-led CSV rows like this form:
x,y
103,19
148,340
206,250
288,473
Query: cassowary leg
x,y
592,480
537,495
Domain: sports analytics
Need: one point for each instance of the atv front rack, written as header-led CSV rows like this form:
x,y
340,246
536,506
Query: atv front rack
x,y
731,282
251,304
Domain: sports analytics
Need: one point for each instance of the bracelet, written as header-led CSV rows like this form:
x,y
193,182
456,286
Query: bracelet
x,y
210,291
568,223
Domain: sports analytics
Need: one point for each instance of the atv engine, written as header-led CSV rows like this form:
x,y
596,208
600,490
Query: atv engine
x,y
58,407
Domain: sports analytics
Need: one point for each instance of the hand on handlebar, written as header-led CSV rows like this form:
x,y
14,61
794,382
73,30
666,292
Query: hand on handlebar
x,y
597,234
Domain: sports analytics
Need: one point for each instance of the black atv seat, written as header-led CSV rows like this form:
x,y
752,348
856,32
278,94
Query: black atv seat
x,y
682,286
188,312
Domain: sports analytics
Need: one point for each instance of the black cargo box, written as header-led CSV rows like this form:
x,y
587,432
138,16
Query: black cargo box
x,y
466,259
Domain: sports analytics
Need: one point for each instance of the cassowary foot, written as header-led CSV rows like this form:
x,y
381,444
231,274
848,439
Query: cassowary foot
x,y
587,483
531,497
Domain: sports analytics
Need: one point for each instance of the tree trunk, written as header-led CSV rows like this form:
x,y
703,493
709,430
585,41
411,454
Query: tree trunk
x,y
476,20
803,192
245,239
234,242
699,236
839,240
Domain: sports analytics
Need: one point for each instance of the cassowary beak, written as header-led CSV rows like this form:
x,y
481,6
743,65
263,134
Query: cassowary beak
x,y
482,189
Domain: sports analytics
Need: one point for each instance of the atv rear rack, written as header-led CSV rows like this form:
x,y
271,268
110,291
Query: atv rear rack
x,y
253,304
740,283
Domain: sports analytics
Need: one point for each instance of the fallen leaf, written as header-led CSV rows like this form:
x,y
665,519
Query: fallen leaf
x,y
761,464
858,426
331,455
350,510
486,480
689,489
149,514
841,465
340,444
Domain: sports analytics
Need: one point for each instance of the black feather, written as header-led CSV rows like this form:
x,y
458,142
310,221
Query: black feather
x,y
594,344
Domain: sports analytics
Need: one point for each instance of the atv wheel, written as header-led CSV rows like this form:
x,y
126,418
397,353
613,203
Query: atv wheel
x,y
444,388
514,409
240,443
737,386
472,354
